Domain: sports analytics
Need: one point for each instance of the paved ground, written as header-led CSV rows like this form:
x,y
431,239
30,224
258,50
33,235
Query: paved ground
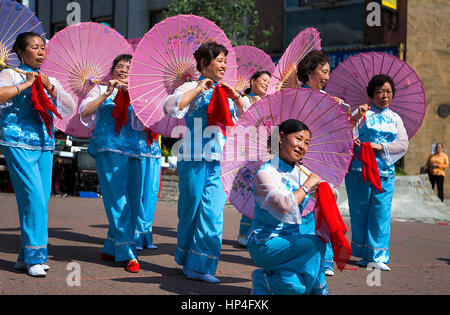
x,y
420,257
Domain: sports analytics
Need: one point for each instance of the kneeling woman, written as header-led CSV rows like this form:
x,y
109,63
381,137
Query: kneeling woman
x,y
292,262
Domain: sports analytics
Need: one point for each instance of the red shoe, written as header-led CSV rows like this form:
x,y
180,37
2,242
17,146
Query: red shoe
x,y
133,266
106,257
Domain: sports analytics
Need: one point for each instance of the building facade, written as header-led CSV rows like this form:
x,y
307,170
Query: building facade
x,y
428,52
414,30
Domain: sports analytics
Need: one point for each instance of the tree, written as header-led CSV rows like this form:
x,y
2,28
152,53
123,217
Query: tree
x,y
237,18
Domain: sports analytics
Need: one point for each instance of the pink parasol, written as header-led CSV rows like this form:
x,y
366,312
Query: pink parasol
x,y
15,18
330,150
134,42
250,60
285,74
164,60
350,79
79,56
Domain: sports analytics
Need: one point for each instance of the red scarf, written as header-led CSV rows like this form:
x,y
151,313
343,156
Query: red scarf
x,y
369,166
329,225
41,103
151,136
120,110
219,110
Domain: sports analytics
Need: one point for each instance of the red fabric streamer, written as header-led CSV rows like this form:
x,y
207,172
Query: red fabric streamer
x,y
219,110
160,184
329,225
42,104
151,136
120,110
369,166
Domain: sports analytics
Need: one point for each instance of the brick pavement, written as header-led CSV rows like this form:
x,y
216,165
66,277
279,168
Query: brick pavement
x,y
420,258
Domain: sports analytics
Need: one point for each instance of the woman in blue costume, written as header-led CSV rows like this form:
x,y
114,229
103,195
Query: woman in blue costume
x,y
202,198
28,148
370,210
257,90
291,261
119,164
314,72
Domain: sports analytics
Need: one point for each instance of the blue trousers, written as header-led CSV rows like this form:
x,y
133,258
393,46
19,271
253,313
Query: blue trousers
x,y
291,265
244,225
120,180
151,174
370,216
31,176
200,215
308,228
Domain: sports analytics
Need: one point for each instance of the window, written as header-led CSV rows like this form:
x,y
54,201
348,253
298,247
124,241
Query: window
x,y
156,17
106,19
338,26
58,26
296,4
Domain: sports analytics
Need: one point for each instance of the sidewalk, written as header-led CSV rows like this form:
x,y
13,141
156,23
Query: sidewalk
x,y
420,258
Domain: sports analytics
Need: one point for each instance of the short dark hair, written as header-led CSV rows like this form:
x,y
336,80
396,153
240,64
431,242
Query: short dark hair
x,y
287,127
377,81
22,41
207,52
292,125
309,63
255,76
123,57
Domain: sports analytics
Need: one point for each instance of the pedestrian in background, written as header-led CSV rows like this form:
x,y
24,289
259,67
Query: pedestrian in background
x,y
436,165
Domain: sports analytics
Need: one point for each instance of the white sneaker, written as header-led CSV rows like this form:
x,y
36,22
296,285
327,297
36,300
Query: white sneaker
x,y
242,240
21,265
36,270
329,272
383,266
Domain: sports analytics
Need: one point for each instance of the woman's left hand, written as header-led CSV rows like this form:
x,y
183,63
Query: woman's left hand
x,y
376,146
337,99
232,93
45,81
255,99
235,96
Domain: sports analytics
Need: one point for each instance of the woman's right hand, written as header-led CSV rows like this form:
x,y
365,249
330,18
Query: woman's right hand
x,y
111,85
363,108
312,181
30,78
204,85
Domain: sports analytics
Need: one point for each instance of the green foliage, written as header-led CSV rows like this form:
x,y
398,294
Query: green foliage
x,y
237,18
164,150
400,171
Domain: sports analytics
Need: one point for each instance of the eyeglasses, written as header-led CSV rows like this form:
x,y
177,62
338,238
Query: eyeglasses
x,y
119,66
